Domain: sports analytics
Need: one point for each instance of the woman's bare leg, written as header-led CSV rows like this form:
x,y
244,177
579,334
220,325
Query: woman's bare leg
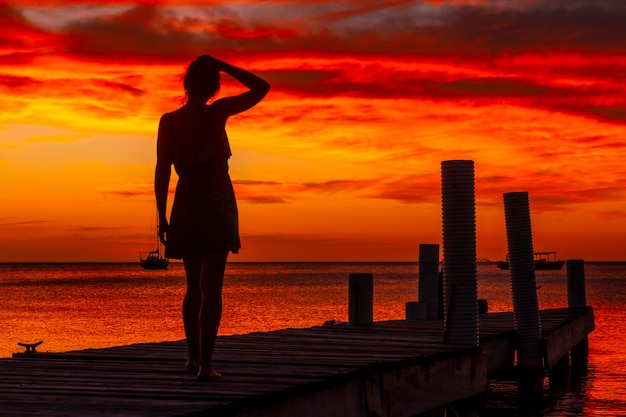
x,y
191,310
211,282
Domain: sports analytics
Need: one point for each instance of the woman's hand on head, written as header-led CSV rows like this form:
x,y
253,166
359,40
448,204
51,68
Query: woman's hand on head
x,y
208,60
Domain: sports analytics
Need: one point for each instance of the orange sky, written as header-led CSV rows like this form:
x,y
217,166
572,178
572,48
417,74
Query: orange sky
x,y
341,162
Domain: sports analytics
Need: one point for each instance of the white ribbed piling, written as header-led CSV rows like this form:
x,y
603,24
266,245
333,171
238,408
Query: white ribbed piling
x,y
460,287
523,283
428,289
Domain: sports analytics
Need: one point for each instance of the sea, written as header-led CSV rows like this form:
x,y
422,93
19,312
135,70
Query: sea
x,y
73,306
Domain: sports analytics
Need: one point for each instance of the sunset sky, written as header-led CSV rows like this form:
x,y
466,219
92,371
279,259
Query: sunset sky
x,y
341,161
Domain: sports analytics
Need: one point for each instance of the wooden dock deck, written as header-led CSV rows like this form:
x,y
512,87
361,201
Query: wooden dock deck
x,y
392,368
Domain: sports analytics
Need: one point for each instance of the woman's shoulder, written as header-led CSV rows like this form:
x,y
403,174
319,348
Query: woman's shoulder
x,y
167,116
210,110
175,116
173,113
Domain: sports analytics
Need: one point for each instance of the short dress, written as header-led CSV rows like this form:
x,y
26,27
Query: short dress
x,y
204,214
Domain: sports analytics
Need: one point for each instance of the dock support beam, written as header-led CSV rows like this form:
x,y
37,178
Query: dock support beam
x,y
460,287
361,299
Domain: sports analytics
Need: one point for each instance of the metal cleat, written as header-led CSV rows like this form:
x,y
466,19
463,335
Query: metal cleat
x,y
30,347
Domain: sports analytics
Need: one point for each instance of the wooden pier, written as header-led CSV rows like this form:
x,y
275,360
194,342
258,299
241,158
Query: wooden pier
x,y
392,368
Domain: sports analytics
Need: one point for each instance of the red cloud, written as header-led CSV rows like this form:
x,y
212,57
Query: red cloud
x,y
229,29
19,39
17,82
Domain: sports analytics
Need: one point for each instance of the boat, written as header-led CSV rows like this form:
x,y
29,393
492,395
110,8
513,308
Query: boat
x,y
546,261
154,259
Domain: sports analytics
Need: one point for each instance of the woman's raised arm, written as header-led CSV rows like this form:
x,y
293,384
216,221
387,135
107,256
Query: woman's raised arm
x,y
258,88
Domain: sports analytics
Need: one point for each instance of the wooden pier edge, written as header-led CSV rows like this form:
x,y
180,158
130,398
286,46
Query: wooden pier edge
x,y
560,342
402,390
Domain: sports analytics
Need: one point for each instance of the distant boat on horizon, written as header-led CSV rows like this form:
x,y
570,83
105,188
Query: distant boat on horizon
x,y
546,261
154,259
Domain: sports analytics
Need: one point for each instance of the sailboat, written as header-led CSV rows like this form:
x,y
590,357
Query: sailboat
x,y
154,259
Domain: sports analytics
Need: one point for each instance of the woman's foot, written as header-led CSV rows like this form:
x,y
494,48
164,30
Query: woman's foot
x,y
192,364
206,373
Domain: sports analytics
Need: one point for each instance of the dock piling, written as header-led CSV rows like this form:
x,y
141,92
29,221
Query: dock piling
x,y
361,299
525,305
416,311
427,306
576,298
428,289
576,293
523,282
460,287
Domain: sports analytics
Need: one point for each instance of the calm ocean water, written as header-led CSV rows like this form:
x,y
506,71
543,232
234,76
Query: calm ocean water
x,y
76,306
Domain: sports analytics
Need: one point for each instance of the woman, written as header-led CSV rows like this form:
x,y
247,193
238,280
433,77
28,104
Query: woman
x,y
203,224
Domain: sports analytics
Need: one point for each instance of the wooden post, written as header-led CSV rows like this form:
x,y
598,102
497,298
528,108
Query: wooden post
x,y
428,289
361,299
416,311
427,306
577,298
576,293
483,306
440,298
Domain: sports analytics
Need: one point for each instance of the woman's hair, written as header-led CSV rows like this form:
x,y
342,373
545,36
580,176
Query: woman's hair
x,y
202,79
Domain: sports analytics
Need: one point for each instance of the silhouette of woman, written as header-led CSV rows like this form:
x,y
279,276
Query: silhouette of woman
x,y
203,224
